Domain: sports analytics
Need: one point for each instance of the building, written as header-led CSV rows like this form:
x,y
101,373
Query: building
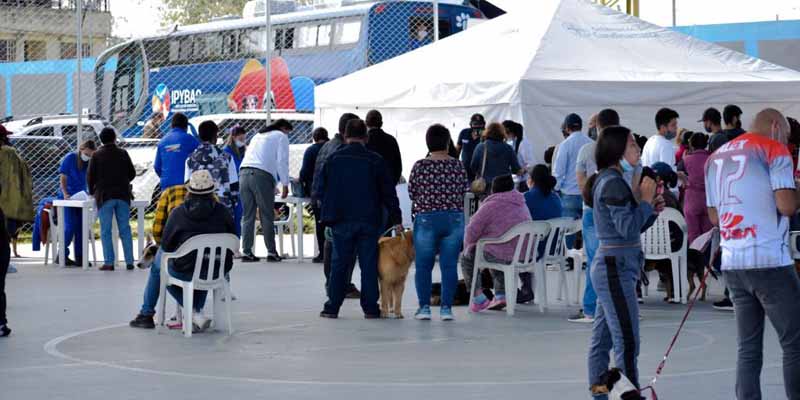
x,y
775,41
36,30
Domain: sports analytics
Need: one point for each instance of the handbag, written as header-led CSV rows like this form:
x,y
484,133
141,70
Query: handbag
x,y
478,186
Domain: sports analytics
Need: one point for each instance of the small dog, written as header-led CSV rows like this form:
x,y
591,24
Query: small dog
x,y
696,263
395,256
148,254
461,297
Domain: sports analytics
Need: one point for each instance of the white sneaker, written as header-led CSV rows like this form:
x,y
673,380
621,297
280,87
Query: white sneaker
x,y
200,322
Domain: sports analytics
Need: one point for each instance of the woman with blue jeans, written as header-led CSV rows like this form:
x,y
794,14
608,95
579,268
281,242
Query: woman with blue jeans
x,y
437,186
619,220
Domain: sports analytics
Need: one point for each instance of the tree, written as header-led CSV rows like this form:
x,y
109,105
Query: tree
x,y
186,12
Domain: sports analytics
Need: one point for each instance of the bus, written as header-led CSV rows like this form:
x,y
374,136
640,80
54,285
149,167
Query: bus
x,y
219,67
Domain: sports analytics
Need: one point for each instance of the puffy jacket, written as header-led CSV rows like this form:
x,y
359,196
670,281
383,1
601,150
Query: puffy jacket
x,y
497,215
356,187
173,150
16,198
196,216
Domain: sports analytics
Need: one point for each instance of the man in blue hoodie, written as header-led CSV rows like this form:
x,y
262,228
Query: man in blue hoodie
x,y
173,150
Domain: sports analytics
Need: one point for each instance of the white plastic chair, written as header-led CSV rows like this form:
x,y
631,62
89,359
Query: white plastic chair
x,y
656,245
556,252
578,256
207,247
528,236
52,239
280,226
793,236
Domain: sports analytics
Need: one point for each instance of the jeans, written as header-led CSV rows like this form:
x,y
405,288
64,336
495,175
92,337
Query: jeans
x,y
121,210
257,190
773,293
153,286
199,300
616,320
73,229
572,207
442,233
590,244
238,211
468,266
350,238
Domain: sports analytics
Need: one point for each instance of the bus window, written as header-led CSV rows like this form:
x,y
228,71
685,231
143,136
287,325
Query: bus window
x,y
305,36
277,38
185,49
347,32
213,46
198,48
174,50
420,28
288,38
445,29
229,43
324,35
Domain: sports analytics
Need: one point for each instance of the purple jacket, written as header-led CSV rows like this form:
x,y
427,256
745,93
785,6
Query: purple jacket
x,y
496,215
695,162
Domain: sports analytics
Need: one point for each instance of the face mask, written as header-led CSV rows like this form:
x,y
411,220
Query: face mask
x,y
626,166
708,129
240,143
510,142
85,158
671,135
592,133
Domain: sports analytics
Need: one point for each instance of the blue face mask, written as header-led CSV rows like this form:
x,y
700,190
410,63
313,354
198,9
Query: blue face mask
x,y
626,166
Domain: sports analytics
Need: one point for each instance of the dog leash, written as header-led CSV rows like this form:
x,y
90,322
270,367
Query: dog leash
x,y
691,304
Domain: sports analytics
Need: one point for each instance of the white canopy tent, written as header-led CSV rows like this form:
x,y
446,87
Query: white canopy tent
x,y
549,58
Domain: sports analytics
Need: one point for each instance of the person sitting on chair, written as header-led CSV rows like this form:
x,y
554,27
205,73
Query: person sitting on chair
x,y
200,214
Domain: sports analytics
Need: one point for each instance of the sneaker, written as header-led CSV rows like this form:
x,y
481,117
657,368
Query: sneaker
x,y
477,307
352,293
249,258
71,263
423,314
129,267
581,318
446,313
318,259
274,258
107,267
724,305
200,322
524,296
5,331
498,303
329,315
143,321
11,269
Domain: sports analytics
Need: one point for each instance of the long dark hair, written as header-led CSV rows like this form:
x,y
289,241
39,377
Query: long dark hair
x,y
611,146
541,177
515,129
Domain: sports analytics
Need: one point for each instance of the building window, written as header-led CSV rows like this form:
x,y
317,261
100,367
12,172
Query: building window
x,y
68,50
8,51
35,50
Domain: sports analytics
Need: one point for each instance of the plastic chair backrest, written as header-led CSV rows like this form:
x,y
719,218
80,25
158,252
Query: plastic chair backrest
x,y
556,246
216,244
656,240
527,235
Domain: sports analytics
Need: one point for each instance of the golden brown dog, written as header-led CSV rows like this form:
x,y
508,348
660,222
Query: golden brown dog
x,y
395,256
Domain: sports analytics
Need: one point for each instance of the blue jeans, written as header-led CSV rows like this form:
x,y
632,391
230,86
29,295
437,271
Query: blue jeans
x,y
199,300
152,287
350,238
442,233
616,320
72,229
590,244
773,293
572,207
121,210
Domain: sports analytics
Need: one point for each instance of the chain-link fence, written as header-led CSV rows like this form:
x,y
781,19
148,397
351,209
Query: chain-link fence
x,y
215,70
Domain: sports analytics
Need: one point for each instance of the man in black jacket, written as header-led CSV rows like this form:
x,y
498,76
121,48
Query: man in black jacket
x,y
320,135
325,152
384,144
357,188
109,179
199,214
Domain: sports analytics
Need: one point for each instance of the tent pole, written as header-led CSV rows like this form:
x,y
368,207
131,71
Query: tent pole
x,y
267,104
674,14
435,20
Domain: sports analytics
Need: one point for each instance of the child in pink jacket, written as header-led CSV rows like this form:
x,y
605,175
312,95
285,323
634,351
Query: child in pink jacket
x,y
501,211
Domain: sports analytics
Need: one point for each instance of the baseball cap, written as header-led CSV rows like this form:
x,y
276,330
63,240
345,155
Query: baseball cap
x,y
711,114
477,120
573,120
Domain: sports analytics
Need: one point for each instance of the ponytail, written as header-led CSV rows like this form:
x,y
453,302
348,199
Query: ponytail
x,y
588,191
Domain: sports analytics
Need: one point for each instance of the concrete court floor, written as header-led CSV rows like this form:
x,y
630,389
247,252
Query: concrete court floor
x,y
71,341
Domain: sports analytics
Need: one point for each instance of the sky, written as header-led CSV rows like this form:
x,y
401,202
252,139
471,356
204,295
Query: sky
x,y
141,17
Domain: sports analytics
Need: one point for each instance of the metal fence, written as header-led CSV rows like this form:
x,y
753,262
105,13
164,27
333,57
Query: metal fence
x,y
215,70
